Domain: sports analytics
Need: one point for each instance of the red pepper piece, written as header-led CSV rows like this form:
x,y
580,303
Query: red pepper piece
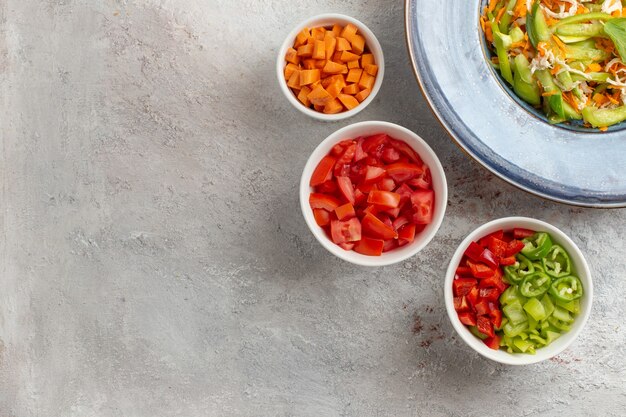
x,y
493,342
497,246
494,281
474,251
462,286
472,296
480,270
460,304
484,241
514,247
519,233
464,271
482,308
489,294
489,258
509,260
468,318
496,317
485,326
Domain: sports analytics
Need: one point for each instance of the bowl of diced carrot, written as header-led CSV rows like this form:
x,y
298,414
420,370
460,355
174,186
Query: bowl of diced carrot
x,y
330,67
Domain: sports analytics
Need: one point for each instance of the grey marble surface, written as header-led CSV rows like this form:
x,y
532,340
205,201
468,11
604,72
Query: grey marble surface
x,y
155,261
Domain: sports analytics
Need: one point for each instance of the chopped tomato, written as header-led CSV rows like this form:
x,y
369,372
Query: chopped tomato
x,y
390,244
345,231
371,247
390,155
484,325
345,211
384,198
346,246
322,217
359,197
359,153
323,172
346,189
402,171
323,201
374,227
462,286
404,148
371,143
373,173
407,233
519,233
393,212
328,187
344,160
386,184
423,202
399,222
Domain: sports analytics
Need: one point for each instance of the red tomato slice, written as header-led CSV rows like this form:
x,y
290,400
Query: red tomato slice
x,y
423,181
345,212
399,222
373,174
371,143
328,187
493,342
346,189
402,171
322,217
371,247
371,209
359,197
407,233
346,246
519,233
423,202
323,201
393,212
345,231
390,244
468,318
374,227
405,193
386,184
404,148
462,286
342,167
359,153
390,155
484,325
323,172
384,198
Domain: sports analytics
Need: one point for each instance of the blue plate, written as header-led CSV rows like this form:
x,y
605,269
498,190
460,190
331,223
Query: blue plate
x,y
570,165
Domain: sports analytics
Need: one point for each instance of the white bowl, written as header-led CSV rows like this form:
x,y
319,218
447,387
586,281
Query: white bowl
x,y
579,265
328,20
429,157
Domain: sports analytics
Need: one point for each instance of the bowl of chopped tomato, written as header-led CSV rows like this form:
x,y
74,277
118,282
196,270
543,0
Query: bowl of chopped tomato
x,y
373,193
518,290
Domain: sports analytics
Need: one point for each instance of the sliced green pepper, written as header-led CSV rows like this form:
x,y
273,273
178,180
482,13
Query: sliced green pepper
x,y
535,309
524,84
557,263
535,285
585,50
549,86
536,26
503,57
537,246
587,30
515,273
505,20
585,17
566,289
604,117
515,313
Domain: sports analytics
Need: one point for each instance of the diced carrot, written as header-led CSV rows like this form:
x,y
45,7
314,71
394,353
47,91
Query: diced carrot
x,y
354,75
337,29
292,56
294,80
599,99
362,95
319,96
334,89
349,31
351,89
309,76
303,96
333,106
330,42
366,81
318,33
371,69
326,82
334,68
302,37
289,69
310,41
312,86
336,56
319,50
367,59
348,101
348,56
319,63
343,44
358,44
318,108
305,50
309,63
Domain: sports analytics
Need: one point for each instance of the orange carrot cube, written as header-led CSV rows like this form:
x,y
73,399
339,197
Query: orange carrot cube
x,y
289,69
319,50
319,96
292,56
343,44
366,81
303,96
318,108
371,69
294,80
362,95
337,29
306,50
309,76
309,63
348,56
348,101
358,44
354,75
330,44
353,64
302,37
334,68
351,89
349,31
318,33
367,59
333,106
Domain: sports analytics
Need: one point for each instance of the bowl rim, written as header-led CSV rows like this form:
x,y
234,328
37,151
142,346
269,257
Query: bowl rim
x,y
544,353
370,40
437,173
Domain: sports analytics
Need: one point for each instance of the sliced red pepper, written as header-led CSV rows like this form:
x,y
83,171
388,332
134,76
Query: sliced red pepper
x,y
485,326
462,286
464,271
496,317
472,296
480,270
482,307
484,241
489,258
497,246
489,294
468,318
519,233
494,281
509,260
461,304
493,342
474,251
514,247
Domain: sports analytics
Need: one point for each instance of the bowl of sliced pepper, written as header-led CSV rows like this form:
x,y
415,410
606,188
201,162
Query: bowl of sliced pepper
x,y
518,290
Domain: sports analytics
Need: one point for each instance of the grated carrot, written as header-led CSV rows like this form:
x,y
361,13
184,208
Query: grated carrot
x,y
559,43
603,129
556,69
500,13
594,67
492,5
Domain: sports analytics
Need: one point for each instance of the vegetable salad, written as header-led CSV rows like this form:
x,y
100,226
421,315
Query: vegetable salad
x,y
565,57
